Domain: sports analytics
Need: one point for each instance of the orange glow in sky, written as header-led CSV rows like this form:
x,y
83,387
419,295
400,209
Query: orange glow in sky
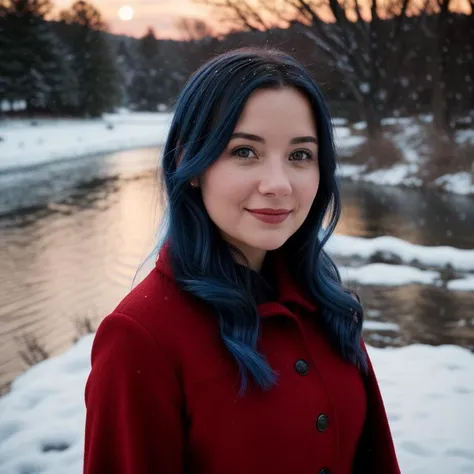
x,y
159,14
133,17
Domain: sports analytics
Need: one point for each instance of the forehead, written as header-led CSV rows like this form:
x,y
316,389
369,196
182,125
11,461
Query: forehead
x,y
277,111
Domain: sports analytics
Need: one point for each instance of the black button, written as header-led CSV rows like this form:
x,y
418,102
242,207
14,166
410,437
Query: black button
x,y
324,471
323,422
302,367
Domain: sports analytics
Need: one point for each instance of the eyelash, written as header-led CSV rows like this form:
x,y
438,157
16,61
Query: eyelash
x,y
236,150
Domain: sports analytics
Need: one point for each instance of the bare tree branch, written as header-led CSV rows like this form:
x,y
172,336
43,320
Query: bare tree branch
x,y
194,28
361,49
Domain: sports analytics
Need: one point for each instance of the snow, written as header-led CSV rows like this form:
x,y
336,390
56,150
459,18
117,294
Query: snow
x,y
409,257
381,326
392,176
25,145
347,142
388,275
360,126
346,171
460,183
463,284
342,132
6,106
340,122
441,256
431,416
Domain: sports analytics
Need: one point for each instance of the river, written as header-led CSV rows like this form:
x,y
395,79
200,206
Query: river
x,y
73,233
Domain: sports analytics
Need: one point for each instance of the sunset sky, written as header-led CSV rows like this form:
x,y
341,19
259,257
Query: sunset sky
x,y
133,17
160,14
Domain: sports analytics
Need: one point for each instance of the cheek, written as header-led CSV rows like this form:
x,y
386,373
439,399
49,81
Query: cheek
x,y
308,188
224,189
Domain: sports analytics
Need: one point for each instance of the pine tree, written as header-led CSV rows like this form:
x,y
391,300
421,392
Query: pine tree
x,y
94,61
148,82
34,65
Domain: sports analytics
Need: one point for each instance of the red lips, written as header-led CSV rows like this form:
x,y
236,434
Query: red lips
x,y
270,216
270,211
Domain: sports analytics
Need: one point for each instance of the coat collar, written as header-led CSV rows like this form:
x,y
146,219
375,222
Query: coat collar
x,y
288,291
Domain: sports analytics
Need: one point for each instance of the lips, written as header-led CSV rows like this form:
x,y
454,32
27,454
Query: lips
x,y
270,216
270,211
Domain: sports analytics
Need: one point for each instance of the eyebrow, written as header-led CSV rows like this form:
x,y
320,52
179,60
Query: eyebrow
x,y
256,138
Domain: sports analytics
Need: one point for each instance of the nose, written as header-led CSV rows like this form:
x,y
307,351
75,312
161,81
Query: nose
x,y
275,180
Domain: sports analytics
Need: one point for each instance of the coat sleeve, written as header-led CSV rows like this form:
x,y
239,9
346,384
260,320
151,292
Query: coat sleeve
x,y
134,400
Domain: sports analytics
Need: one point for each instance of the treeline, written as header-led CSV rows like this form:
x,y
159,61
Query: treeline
x,y
63,68
368,69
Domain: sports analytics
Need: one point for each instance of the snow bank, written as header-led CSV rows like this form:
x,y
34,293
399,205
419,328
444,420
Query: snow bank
x,y
347,246
428,393
460,183
388,275
25,145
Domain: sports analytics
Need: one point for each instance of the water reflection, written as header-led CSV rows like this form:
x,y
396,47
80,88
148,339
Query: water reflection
x,y
73,234
416,215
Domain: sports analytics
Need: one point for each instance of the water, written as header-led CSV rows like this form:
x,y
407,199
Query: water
x,y
72,235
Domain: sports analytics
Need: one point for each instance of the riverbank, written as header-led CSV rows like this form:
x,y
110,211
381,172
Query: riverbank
x,y
410,153
42,418
27,143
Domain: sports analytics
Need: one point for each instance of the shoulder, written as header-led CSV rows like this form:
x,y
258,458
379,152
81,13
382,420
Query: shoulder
x,y
151,298
162,308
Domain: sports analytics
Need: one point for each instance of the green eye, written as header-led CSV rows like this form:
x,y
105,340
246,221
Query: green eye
x,y
301,155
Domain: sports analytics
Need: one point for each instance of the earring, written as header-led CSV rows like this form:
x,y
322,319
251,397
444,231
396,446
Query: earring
x,y
193,184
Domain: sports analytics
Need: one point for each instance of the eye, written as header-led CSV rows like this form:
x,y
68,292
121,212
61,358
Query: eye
x,y
302,155
243,152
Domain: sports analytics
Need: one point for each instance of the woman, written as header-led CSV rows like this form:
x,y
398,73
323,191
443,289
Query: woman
x,y
241,352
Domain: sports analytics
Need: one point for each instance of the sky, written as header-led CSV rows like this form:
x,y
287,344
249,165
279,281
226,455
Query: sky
x,y
163,15
160,14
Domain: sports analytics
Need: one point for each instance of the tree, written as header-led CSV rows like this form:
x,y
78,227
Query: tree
x,y
148,83
37,8
84,14
34,65
194,29
364,41
95,65
126,62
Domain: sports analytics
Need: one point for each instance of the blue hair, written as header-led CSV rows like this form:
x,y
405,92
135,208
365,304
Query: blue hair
x,y
204,265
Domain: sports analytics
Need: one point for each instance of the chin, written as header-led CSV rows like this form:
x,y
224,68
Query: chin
x,y
268,244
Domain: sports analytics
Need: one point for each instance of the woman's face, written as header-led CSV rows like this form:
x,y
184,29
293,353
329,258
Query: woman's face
x,y
260,190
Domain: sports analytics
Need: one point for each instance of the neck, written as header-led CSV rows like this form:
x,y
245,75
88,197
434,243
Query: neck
x,y
253,257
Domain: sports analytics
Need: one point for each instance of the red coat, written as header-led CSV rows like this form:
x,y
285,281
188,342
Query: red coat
x,y
162,395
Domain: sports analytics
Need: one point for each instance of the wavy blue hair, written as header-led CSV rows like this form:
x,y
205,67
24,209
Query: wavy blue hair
x,y
204,265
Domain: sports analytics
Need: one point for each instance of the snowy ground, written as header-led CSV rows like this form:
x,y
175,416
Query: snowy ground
x,y
23,144
443,266
428,391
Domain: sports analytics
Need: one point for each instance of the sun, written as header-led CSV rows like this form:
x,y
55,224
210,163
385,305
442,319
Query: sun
x,y
125,13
